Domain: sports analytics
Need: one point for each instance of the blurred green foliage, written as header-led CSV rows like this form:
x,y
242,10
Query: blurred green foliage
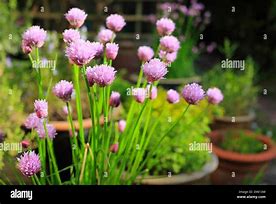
x,y
239,141
12,116
174,154
237,86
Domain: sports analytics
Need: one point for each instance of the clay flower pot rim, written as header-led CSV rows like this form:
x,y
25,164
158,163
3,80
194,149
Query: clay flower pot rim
x,y
182,178
65,126
264,156
238,119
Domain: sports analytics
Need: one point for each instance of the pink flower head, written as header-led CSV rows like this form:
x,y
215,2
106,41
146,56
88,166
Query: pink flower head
x,y
154,70
99,49
145,53
41,108
165,26
29,164
50,130
76,17
111,50
32,121
63,90
121,125
114,148
167,57
102,75
115,100
115,22
214,95
140,94
70,35
106,36
193,93
80,52
172,96
25,143
154,92
33,37
26,48
169,44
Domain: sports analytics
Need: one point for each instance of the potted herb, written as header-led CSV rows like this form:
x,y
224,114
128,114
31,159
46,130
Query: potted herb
x,y
184,157
238,87
242,155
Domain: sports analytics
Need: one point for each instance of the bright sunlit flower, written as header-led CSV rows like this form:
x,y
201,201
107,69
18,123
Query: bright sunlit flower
x,y
63,90
115,22
193,93
165,26
102,75
154,70
214,95
76,17
41,108
29,164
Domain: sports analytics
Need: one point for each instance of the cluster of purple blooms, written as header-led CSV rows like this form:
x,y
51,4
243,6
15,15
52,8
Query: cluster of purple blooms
x,y
81,52
36,120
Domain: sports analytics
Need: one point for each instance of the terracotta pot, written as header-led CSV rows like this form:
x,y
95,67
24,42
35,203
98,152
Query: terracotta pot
x,y
65,126
235,167
198,177
227,122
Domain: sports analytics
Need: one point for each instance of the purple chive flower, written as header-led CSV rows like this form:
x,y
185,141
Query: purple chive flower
x,y
193,93
29,164
76,17
106,36
111,50
167,57
154,70
99,49
139,94
121,125
102,75
41,108
80,52
169,44
50,130
114,148
214,95
32,121
153,93
33,37
172,96
63,90
165,26
115,22
115,100
70,35
145,53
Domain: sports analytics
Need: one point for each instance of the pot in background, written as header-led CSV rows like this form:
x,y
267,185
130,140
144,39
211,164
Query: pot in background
x,y
199,177
237,122
235,167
